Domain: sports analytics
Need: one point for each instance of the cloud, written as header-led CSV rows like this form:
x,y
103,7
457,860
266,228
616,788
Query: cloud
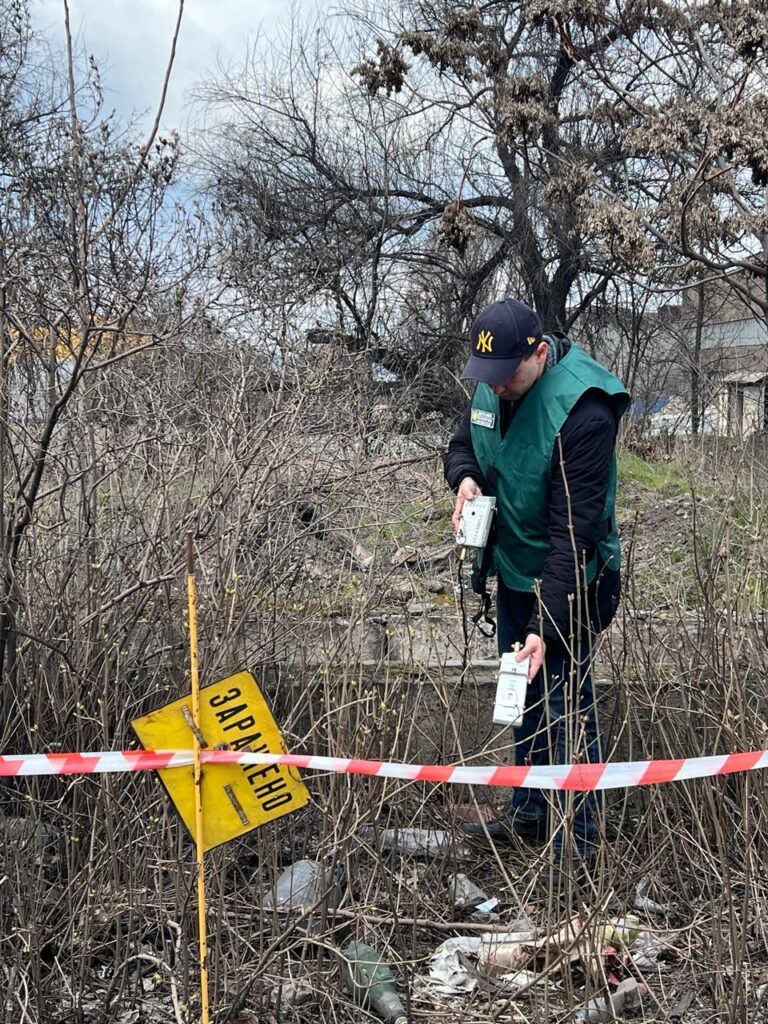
x,y
131,39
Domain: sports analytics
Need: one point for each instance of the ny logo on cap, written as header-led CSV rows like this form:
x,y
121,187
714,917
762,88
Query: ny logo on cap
x,y
484,341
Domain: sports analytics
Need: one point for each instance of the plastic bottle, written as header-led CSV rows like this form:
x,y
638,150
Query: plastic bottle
x,y
367,976
423,842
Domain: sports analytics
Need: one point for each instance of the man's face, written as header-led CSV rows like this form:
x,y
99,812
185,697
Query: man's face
x,y
524,377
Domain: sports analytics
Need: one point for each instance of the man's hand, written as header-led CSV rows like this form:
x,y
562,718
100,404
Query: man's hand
x,y
468,490
535,649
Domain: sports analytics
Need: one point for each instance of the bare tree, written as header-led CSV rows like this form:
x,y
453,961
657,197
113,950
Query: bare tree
x,y
468,149
93,268
692,98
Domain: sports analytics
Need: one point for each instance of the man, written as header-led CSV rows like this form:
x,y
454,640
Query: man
x,y
540,435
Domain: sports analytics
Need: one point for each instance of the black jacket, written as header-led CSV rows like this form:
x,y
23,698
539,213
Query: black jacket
x,y
581,467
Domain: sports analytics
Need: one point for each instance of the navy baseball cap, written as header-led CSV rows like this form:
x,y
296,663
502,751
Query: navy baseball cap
x,y
500,337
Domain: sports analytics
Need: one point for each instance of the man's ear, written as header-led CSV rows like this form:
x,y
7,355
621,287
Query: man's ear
x,y
541,350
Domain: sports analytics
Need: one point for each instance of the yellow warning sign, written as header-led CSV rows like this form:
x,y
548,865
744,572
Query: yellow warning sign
x,y
236,798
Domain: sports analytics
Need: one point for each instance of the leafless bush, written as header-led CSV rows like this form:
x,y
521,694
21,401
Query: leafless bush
x,y
314,523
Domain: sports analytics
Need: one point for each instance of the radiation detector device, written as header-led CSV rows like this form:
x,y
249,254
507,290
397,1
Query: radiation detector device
x,y
475,522
511,689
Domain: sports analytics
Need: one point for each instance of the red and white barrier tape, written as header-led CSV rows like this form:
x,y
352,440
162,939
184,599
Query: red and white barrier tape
x,y
609,775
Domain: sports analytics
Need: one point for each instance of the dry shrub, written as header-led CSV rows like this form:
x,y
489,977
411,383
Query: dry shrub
x,y
316,523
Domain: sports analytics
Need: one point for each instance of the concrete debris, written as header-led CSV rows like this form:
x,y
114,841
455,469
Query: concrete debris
x,y
405,556
603,1009
420,608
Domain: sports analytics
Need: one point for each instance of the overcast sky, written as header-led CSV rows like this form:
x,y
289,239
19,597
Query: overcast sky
x,y
130,40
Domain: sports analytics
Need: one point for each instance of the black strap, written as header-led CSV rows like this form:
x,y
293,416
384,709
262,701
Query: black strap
x,y
483,614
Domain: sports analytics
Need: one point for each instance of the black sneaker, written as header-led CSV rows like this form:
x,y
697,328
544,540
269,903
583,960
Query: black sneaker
x,y
505,831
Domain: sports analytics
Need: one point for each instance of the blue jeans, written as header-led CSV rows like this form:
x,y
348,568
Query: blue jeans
x,y
553,731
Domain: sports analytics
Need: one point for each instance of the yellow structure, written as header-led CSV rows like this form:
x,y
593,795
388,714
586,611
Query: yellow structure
x,y
236,798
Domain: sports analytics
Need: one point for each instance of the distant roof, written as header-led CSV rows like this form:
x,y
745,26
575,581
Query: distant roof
x,y
742,377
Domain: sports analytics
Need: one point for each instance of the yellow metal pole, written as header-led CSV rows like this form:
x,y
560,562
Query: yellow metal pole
x,y
198,778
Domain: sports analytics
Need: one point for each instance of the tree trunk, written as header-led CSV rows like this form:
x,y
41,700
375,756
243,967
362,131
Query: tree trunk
x,y
696,397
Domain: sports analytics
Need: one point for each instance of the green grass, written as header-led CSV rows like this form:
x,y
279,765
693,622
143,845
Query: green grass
x,y
727,548
417,523
660,478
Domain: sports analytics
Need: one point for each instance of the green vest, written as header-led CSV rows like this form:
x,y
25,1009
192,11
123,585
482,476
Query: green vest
x,y
523,465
